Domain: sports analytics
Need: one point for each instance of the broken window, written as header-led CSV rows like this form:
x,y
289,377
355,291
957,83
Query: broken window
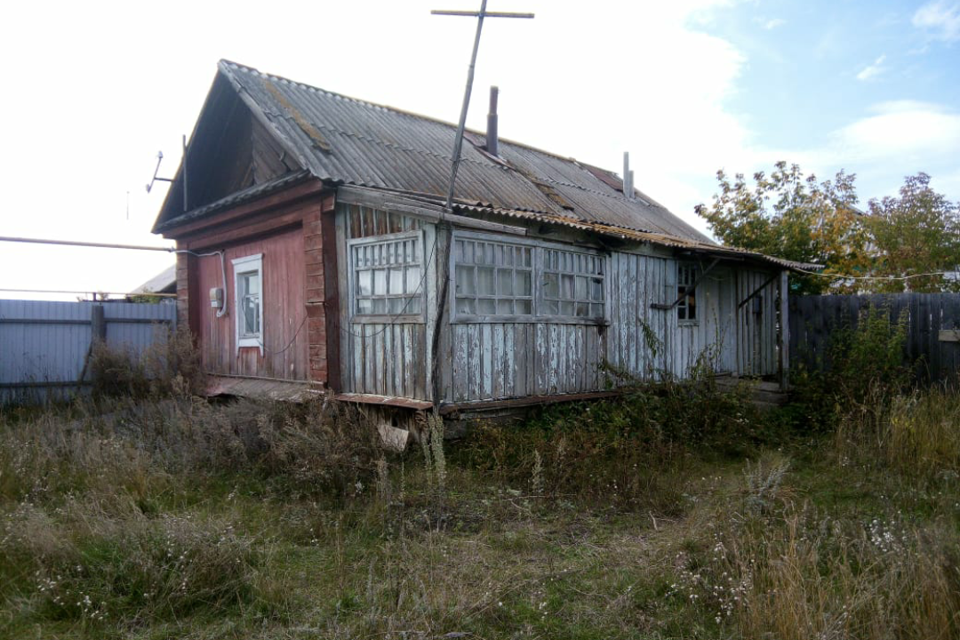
x,y
388,275
687,276
572,284
492,278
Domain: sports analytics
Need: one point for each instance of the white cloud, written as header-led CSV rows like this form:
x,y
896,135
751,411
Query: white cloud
x,y
900,129
939,18
774,23
872,70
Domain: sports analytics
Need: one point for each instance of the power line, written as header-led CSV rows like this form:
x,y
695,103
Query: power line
x,y
96,245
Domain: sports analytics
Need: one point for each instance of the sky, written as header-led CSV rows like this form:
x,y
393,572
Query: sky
x,y
93,90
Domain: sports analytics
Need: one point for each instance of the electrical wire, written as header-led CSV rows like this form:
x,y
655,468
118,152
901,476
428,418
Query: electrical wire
x,y
222,311
840,276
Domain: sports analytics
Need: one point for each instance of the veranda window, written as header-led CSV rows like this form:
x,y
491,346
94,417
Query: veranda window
x,y
492,278
572,284
687,275
496,280
387,275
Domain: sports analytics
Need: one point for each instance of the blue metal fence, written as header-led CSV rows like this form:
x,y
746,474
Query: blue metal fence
x,y
44,346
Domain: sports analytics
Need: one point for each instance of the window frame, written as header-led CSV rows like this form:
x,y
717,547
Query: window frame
x,y
242,266
683,304
538,248
372,318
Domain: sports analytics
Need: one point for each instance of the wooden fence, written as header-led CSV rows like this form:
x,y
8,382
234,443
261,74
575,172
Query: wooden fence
x,y
933,329
44,346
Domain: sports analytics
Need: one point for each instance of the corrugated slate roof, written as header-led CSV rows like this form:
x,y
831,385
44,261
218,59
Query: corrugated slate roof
x,y
349,141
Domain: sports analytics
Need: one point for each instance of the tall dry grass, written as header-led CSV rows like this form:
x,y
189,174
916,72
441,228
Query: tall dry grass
x,y
772,568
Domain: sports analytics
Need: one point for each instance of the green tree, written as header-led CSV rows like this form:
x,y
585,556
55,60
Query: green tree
x,y
793,216
915,233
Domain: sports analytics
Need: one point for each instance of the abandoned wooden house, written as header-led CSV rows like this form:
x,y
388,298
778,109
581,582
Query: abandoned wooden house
x,y
316,248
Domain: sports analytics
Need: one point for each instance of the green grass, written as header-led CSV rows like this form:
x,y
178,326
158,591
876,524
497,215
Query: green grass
x,y
176,519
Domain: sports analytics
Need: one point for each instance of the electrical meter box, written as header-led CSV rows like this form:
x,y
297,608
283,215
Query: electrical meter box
x,y
216,298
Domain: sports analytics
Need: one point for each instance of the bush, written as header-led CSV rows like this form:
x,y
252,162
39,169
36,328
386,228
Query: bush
x,y
626,451
321,448
864,368
171,365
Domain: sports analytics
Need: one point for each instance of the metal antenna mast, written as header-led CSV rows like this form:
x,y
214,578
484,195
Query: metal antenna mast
x,y
443,255
458,141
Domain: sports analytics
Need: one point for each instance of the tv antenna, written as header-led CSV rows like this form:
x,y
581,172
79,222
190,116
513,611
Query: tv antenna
x,y
157,178
443,257
458,141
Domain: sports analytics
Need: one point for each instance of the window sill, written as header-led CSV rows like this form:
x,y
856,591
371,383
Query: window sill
x,y
527,320
688,323
389,319
250,343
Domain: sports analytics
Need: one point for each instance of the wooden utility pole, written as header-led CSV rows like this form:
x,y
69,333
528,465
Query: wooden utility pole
x,y
443,243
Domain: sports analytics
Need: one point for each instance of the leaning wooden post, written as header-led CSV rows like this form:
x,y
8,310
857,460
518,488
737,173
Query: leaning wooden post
x,y
98,333
784,330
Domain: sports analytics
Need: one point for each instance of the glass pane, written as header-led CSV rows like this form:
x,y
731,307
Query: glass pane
x,y
365,282
413,280
550,287
464,278
681,312
505,282
396,280
379,306
508,253
524,285
526,257
396,305
486,307
364,306
583,309
551,307
468,250
466,307
566,287
581,292
596,310
251,282
596,289
566,308
485,284
505,307
251,316
524,307
458,251
379,282
414,305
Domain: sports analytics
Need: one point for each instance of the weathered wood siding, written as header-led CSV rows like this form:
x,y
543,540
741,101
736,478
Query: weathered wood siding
x,y
390,357
513,360
757,322
501,357
285,353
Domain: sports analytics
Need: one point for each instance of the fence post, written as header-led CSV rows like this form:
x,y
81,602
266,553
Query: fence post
x,y
98,333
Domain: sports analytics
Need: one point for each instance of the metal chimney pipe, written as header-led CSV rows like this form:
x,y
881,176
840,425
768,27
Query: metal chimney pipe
x,y
627,177
493,144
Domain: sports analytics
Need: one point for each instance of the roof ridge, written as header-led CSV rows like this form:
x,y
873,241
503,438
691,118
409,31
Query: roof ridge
x,y
227,64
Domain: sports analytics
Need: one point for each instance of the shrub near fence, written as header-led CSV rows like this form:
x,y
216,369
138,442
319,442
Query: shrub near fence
x,y
931,320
